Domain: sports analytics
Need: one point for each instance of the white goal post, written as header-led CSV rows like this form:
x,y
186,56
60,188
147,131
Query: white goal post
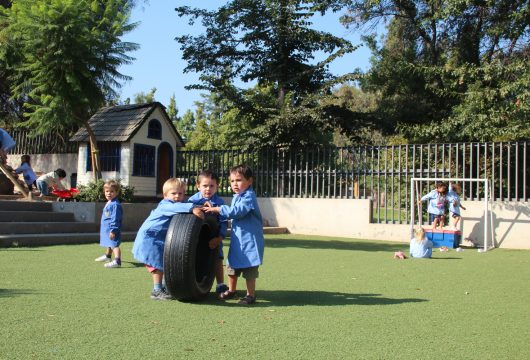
x,y
488,216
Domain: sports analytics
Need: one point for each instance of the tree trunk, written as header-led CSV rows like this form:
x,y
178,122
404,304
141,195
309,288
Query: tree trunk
x,y
94,153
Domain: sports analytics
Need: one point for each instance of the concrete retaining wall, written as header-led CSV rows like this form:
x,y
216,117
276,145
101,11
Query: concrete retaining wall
x,y
44,163
133,214
351,218
344,218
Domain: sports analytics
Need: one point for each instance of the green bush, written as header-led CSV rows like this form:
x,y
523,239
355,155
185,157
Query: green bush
x,y
93,192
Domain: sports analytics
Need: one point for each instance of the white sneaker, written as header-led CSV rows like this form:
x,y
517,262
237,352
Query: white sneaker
x,y
102,258
112,264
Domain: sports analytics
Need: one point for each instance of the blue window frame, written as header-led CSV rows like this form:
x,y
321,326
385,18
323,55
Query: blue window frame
x,y
154,130
144,160
109,156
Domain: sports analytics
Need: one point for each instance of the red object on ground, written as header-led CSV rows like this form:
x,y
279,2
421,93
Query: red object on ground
x,y
65,194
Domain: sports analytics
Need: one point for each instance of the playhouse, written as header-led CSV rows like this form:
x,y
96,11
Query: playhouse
x,y
137,144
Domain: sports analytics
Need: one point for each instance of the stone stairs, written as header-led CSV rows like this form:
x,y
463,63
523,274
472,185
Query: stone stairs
x,y
24,223
34,223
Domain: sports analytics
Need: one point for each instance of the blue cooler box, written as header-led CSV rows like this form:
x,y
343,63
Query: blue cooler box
x,y
449,238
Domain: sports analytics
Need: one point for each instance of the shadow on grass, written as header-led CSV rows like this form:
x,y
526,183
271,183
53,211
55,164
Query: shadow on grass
x,y
14,248
133,264
15,292
334,244
279,298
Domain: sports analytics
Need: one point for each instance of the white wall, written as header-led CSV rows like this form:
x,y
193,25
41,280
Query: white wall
x,y
44,163
84,177
351,219
146,186
511,223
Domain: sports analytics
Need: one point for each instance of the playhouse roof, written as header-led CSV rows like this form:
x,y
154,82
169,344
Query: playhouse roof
x,y
121,122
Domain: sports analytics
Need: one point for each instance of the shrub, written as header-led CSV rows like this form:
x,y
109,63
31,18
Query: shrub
x,y
93,192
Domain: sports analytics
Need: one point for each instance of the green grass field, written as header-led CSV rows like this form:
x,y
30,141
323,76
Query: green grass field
x,y
318,298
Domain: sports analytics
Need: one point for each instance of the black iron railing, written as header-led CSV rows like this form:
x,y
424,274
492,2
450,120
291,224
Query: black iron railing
x,y
380,173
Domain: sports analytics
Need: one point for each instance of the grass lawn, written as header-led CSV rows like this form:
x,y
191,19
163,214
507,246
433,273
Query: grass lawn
x,y
318,298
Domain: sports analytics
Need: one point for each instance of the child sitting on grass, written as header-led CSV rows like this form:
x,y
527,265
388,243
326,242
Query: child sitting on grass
x,y
149,243
437,200
245,254
420,246
110,229
454,204
207,184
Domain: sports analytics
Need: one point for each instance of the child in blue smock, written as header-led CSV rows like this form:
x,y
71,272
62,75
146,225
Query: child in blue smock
x,y
207,184
110,229
245,254
420,246
25,169
149,243
6,144
453,197
436,209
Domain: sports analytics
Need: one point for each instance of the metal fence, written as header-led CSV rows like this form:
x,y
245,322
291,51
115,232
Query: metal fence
x,y
380,173
42,144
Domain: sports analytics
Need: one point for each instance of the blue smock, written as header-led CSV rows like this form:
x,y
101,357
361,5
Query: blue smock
x,y
246,239
452,198
436,202
421,249
111,222
28,173
148,246
216,201
6,141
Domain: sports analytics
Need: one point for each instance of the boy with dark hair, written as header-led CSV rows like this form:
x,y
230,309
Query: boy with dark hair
x,y
246,240
207,184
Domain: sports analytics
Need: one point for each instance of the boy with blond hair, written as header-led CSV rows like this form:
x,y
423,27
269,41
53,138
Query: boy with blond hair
x,y
149,243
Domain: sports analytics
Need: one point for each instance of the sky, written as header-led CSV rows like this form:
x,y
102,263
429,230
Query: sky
x,y
158,62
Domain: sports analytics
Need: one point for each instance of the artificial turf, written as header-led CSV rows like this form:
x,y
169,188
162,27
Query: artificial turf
x,y
318,298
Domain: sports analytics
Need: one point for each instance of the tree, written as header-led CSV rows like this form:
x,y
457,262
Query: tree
x,y
272,45
361,104
65,55
10,109
143,98
186,124
172,110
450,70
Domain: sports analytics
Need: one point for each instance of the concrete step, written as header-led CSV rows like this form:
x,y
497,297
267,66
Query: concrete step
x,y
274,230
35,216
47,227
56,239
268,230
25,206
83,238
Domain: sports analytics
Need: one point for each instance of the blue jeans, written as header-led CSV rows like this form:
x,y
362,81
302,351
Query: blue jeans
x,y
43,187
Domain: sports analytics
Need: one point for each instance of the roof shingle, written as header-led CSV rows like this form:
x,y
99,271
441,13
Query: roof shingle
x,y
117,123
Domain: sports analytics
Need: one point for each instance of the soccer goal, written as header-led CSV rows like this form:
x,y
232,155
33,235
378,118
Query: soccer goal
x,y
415,195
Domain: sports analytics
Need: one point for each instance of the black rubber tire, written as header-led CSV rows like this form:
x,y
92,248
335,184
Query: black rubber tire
x,y
189,264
